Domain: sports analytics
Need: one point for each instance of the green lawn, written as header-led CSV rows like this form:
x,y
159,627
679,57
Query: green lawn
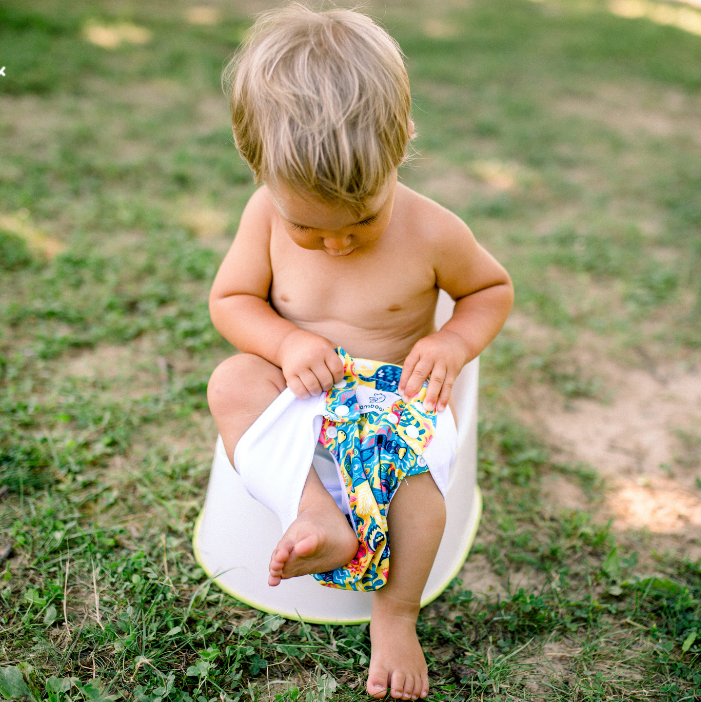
x,y
567,137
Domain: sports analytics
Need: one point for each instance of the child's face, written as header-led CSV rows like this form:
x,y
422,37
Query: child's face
x,y
333,229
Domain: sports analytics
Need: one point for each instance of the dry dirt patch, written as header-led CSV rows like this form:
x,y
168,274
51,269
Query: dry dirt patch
x,y
478,575
30,123
128,367
562,493
644,440
456,188
452,188
212,113
156,94
635,111
634,435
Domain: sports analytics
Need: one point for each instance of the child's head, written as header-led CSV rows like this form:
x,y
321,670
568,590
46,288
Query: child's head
x,y
320,104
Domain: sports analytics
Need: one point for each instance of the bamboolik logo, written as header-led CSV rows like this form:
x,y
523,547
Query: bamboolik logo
x,y
372,400
2,71
375,403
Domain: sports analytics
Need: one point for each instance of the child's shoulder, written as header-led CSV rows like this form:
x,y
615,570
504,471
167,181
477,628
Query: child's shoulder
x,y
260,204
426,220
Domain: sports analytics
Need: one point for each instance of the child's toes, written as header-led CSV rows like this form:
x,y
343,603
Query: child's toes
x,y
409,685
276,567
307,546
377,683
274,577
418,684
424,686
281,555
378,691
277,563
398,679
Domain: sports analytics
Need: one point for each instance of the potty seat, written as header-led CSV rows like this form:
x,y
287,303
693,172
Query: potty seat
x,y
235,535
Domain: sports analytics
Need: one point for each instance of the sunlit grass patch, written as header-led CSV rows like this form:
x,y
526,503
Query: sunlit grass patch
x,y
111,36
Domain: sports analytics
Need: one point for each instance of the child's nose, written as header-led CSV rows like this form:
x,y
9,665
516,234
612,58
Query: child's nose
x,y
336,242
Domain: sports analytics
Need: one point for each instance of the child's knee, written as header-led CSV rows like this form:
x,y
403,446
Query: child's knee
x,y
238,379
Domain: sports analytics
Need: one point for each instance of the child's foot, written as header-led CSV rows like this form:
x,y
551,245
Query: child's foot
x,y
320,539
397,661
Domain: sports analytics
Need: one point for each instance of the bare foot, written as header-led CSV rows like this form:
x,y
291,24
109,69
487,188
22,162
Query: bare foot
x,y
320,539
397,661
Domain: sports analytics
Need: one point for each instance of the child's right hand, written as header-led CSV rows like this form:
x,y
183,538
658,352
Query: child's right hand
x,y
309,363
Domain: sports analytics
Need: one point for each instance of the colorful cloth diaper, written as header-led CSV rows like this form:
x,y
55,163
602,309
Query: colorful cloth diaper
x,y
376,440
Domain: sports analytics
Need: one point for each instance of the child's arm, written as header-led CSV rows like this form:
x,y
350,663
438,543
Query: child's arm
x,y
239,307
483,296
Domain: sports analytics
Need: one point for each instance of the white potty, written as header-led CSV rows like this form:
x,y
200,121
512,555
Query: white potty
x,y
235,535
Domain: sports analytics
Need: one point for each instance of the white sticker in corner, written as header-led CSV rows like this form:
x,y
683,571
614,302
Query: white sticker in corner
x,y
371,400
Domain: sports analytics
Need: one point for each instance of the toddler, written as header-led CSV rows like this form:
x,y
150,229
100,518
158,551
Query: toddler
x,y
336,260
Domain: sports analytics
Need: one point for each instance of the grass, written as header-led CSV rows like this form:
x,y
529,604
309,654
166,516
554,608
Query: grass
x,y
569,140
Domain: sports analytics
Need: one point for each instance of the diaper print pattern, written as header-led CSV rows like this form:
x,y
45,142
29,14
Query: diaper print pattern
x,y
375,451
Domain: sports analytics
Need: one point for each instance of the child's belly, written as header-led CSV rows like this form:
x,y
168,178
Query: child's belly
x,y
366,326
391,345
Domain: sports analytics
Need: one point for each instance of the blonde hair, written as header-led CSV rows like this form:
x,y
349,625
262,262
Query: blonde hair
x,y
320,102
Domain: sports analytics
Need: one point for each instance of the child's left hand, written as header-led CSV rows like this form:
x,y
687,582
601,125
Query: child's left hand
x,y
440,356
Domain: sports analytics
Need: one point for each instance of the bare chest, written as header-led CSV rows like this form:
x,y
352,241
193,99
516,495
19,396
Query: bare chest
x,y
388,288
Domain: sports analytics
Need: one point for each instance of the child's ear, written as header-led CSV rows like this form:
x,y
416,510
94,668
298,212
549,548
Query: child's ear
x,y
411,128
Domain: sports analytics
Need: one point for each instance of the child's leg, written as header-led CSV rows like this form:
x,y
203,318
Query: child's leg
x,y
320,539
239,391
416,522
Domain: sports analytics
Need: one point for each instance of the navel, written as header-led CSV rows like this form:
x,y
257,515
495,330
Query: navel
x,y
394,308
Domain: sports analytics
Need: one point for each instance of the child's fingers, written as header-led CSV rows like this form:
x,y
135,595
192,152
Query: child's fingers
x,y
409,365
445,394
416,379
438,373
295,384
335,365
310,382
323,375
